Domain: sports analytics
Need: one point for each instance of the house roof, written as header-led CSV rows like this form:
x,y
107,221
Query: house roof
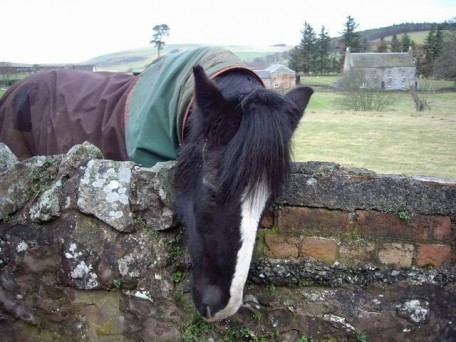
x,y
273,69
263,73
381,60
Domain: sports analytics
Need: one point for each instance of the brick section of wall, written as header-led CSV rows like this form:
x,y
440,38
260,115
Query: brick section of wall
x,y
434,255
390,225
319,248
322,221
442,228
360,237
357,252
281,247
267,221
396,254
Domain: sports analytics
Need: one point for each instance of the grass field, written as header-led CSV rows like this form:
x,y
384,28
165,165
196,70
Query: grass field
x,y
398,141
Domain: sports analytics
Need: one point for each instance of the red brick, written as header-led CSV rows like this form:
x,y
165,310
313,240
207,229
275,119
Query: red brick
x,y
442,228
435,255
267,221
316,220
390,225
319,248
356,252
281,247
398,254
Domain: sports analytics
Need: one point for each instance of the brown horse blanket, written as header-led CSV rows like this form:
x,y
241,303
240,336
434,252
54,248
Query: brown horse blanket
x,y
51,111
138,118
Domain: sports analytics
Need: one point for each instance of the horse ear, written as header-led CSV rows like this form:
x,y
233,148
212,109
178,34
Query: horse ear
x,y
208,96
300,97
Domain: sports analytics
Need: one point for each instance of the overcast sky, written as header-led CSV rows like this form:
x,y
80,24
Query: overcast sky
x,y
64,31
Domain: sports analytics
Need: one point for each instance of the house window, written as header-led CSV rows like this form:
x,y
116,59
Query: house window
x,y
276,85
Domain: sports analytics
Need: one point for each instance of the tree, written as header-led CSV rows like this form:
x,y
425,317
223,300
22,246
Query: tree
x,y
314,53
323,46
160,31
365,45
382,45
406,42
307,46
294,61
445,64
438,42
434,43
350,37
395,44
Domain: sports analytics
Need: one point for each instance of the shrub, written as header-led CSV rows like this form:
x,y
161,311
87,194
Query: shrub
x,y
360,93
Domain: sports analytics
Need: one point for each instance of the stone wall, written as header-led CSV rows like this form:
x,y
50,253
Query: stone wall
x,y
90,250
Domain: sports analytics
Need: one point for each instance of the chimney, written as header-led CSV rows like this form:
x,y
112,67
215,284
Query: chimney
x,y
347,60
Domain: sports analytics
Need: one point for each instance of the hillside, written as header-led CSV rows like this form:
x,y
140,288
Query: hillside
x,y
409,28
138,59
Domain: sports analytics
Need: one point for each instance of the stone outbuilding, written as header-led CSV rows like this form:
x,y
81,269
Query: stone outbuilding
x,y
278,77
385,70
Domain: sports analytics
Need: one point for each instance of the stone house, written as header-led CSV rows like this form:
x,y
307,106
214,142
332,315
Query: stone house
x,y
385,70
278,77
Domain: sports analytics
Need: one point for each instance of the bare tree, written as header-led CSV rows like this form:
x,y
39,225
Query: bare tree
x,y
360,93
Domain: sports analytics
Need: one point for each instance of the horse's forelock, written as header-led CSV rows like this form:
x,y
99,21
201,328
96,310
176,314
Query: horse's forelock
x,y
259,151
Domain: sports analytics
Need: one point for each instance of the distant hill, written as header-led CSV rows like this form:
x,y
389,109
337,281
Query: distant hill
x,y
138,59
375,34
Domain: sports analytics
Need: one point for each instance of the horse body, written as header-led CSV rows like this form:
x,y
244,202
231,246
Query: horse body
x,y
233,162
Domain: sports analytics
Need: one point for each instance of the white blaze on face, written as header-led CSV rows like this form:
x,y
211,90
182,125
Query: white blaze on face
x,y
251,209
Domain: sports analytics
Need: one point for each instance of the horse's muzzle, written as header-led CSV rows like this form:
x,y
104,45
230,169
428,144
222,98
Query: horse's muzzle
x,y
211,302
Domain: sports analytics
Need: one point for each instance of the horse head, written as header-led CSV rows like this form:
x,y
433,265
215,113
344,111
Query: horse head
x,y
234,163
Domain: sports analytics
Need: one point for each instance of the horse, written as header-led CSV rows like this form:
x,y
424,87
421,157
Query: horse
x,y
234,164
233,158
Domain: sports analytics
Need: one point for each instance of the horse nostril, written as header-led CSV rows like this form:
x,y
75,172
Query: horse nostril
x,y
208,312
211,301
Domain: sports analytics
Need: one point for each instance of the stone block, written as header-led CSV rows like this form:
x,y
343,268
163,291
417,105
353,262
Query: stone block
x,y
327,185
7,158
397,254
104,192
152,195
435,255
22,180
319,248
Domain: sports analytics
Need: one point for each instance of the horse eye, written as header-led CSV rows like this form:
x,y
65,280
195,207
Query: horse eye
x,y
211,194
210,190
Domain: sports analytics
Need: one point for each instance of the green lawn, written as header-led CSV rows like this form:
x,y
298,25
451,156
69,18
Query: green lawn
x,y
398,141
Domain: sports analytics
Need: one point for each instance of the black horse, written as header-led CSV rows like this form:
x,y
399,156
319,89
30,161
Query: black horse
x,y
233,162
